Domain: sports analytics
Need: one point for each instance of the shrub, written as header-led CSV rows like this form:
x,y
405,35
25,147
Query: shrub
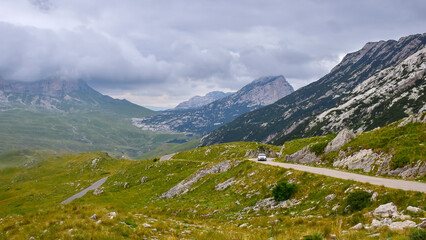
x,y
318,148
399,161
317,236
283,190
358,200
417,234
155,159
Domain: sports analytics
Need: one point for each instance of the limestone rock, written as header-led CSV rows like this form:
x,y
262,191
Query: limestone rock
x,y
225,184
365,159
402,225
422,225
144,180
93,217
303,156
98,191
187,183
377,224
330,197
386,210
341,139
147,225
414,209
359,226
112,215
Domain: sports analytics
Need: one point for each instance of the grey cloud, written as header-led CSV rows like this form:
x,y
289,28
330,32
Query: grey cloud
x,y
172,50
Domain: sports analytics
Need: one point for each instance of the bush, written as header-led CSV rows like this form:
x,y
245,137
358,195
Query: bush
x,y
283,190
317,236
155,159
358,200
318,148
399,161
417,234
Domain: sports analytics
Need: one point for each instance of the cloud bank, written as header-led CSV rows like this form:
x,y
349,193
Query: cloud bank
x,y
160,53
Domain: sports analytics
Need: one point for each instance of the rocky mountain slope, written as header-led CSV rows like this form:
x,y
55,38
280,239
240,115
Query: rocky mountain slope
x,y
292,116
259,93
63,96
199,101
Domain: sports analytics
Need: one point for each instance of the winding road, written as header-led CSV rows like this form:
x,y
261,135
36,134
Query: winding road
x,y
390,183
82,193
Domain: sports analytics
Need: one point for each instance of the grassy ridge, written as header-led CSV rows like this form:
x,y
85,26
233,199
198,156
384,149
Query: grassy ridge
x,y
76,132
168,148
30,197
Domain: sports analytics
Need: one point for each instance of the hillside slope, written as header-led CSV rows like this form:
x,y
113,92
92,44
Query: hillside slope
x,y
290,117
204,193
259,93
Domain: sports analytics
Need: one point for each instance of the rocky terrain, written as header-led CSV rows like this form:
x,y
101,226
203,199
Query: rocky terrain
x,y
296,115
385,157
199,101
257,94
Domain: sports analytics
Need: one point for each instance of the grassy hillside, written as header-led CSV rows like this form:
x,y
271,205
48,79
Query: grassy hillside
x,y
17,158
168,148
30,200
76,132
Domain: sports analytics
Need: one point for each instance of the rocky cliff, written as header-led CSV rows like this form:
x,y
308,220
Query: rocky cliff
x,y
199,101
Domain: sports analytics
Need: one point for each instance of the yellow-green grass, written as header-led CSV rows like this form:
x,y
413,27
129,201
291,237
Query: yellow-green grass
x,y
202,213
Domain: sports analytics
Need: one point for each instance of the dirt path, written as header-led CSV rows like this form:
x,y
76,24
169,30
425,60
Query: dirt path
x,y
390,183
82,193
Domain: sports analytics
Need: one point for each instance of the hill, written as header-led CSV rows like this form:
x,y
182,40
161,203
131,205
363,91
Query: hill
x,y
300,114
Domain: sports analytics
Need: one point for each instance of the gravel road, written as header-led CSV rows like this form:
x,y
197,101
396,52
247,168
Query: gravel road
x,y
390,183
82,193
167,157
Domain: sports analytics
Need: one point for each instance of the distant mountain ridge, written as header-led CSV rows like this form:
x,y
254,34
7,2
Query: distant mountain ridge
x,y
64,96
199,101
291,117
258,93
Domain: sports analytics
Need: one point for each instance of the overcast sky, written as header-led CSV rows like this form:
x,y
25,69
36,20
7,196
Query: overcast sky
x,y
161,52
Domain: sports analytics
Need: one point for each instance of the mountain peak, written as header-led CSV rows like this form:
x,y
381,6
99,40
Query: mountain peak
x,y
199,101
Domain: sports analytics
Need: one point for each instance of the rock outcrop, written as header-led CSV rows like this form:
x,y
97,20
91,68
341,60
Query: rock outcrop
x,y
388,210
199,101
341,139
183,186
303,156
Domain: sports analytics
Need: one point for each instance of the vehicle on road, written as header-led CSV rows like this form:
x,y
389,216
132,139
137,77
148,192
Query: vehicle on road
x,y
261,157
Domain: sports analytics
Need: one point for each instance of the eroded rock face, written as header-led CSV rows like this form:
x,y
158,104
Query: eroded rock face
x,y
303,156
341,139
187,183
387,210
364,159
225,184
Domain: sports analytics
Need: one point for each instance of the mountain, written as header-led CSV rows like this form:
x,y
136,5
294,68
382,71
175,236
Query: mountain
x,y
292,116
71,116
258,93
63,96
199,101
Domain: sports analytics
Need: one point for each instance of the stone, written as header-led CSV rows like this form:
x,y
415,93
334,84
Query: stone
x,y
183,186
404,217
112,215
227,183
414,209
402,225
98,191
95,162
422,225
359,226
146,225
144,180
243,225
93,217
386,210
377,224
303,156
330,197
374,196
341,139
98,222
